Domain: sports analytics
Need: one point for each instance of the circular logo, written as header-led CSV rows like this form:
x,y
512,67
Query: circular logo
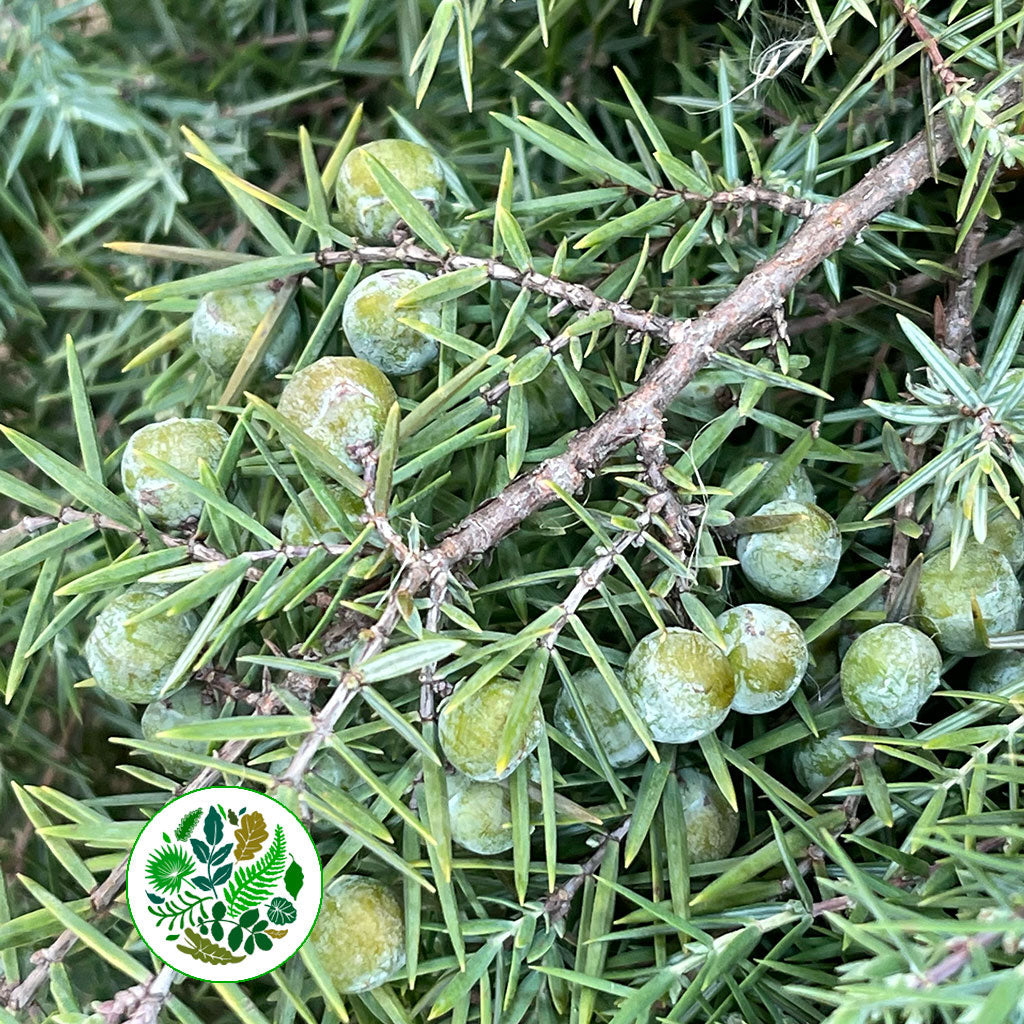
x,y
224,884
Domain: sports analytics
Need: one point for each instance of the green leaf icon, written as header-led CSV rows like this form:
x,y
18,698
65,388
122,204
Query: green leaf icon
x,y
281,911
187,824
213,826
293,879
168,868
254,883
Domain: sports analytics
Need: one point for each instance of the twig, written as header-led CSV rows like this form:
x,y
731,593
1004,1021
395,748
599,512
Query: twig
x,y
349,685
196,549
578,296
900,548
1010,242
554,344
950,80
851,805
319,35
960,303
558,902
693,342
650,448
745,195
322,35
815,856
592,575
877,362
223,682
949,966
380,633
299,685
380,522
139,1004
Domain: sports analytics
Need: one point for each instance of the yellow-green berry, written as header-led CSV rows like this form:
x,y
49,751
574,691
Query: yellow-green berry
x,y
470,730
996,670
363,208
711,824
944,595
680,683
371,323
184,444
797,488
796,562
818,760
340,402
359,936
480,815
317,525
888,673
618,739
326,765
188,706
1005,533
133,661
224,322
768,654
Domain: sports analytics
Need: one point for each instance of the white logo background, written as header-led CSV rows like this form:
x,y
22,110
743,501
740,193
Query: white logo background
x,y
154,908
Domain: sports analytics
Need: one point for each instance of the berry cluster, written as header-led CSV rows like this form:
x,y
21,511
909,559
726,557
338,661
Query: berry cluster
x,y
679,684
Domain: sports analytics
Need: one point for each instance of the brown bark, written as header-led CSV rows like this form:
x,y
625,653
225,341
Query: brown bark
x,y
693,342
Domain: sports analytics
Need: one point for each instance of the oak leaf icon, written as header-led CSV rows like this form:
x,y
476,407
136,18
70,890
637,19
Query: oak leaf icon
x,y
251,834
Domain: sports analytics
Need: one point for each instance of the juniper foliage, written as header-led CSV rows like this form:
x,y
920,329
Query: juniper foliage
x,y
691,255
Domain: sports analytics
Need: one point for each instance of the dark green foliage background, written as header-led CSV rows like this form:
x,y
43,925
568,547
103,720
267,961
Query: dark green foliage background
x,y
92,100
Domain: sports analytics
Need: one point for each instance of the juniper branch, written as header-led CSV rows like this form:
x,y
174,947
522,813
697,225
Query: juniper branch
x,y
693,342
650,447
960,304
197,550
349,685
1010,242
380,633
559,902
577,296
754,194
138,1004
554,344
591,576
900,547
949,78
960,957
